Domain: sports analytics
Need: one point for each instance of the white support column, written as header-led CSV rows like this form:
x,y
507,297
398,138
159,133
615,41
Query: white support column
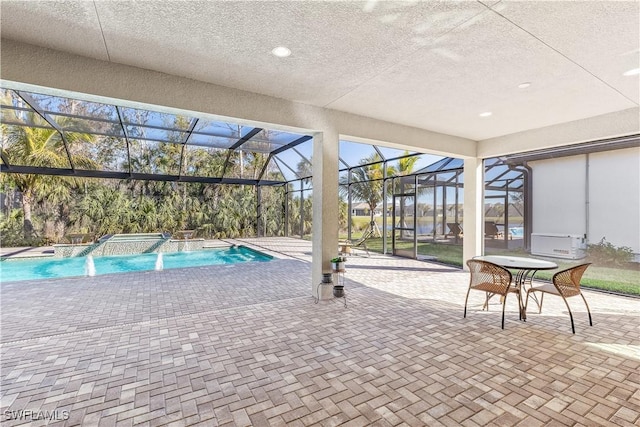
x,y
473,243
325,208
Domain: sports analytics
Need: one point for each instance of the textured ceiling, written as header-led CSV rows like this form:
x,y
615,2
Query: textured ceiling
x,y
433,65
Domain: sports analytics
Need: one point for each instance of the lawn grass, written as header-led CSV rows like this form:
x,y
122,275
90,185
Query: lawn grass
x,y
611,279
608,278
446,254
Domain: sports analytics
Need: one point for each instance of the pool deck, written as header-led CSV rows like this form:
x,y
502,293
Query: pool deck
x,y
246,345
26,252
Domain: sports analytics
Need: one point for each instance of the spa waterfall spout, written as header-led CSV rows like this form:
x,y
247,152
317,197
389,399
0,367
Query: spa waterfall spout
x,y
159,262
89,266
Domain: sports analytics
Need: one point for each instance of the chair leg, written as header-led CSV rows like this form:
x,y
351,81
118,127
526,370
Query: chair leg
x,y
465,303
503,306
573,329
521,313
541,299
588,311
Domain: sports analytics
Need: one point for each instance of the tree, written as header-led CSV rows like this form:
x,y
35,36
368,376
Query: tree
x,y
406,164
367,182
40,147
304,169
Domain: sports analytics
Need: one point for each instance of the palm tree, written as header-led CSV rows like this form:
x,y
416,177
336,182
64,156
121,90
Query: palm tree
x,y
367,182
273,211
304,169
40,147
405,167
105,210
406,164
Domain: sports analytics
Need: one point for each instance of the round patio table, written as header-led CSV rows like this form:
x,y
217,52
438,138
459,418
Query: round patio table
x,y
526,268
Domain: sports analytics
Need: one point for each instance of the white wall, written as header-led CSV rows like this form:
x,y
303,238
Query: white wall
x,y
41,70
560,196
614,197
619,123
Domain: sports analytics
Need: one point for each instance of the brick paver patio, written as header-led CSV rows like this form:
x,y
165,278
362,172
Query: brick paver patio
x,y
246,345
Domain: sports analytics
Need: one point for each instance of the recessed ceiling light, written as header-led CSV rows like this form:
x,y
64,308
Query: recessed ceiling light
x,y
281,51
524,85
633,72
486,114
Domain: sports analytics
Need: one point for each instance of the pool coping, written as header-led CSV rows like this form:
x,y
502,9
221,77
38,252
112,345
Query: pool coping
x,y
48,251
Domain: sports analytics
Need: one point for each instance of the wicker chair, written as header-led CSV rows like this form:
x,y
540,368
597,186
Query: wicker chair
x,y
565,283
493,280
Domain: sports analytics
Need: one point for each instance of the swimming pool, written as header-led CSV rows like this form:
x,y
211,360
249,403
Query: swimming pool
x,y
516,231
48,268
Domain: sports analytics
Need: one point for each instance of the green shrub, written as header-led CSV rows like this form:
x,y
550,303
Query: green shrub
x,y
605,253
11,229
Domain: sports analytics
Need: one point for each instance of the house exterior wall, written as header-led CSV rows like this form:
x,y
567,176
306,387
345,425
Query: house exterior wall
x,y
610,207
614,197
559,196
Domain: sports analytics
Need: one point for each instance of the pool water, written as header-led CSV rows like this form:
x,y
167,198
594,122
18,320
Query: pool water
x,y
516,231
48,268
